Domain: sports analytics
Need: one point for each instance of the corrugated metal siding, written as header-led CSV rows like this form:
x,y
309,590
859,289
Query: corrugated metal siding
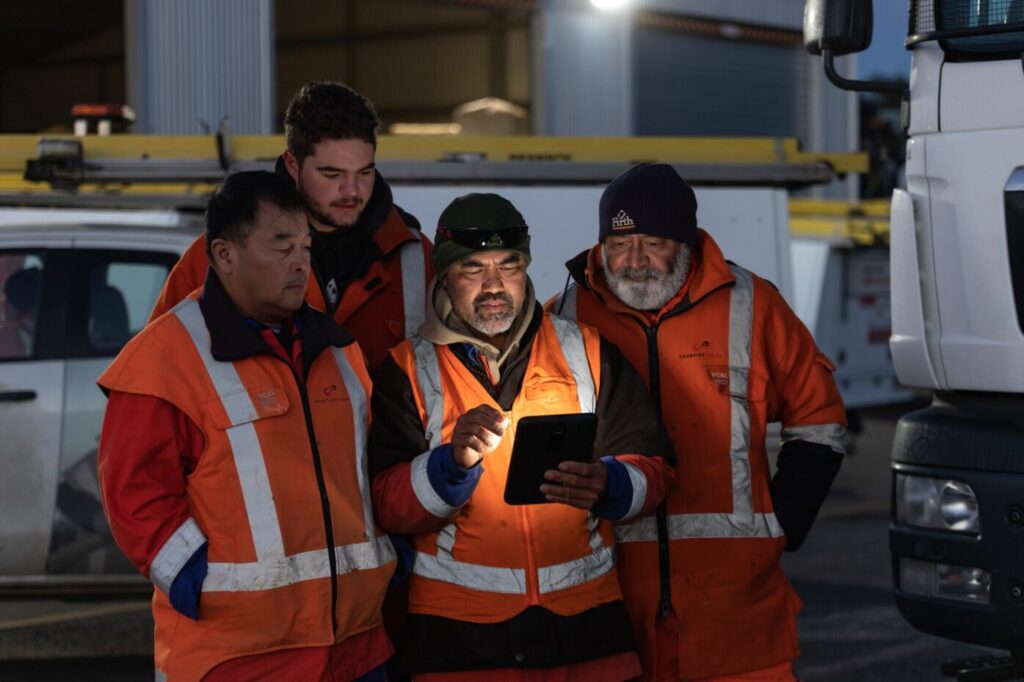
x,y
584,73
202,61
688,84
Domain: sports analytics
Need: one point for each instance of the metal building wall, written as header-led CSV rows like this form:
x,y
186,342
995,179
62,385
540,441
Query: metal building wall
x,y
415,59
192,62
583,70
690,84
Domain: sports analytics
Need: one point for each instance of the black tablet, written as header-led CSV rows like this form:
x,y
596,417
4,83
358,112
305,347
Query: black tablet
x,y
543,443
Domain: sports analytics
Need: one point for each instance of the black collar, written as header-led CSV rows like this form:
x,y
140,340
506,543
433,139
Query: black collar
x,y
232,338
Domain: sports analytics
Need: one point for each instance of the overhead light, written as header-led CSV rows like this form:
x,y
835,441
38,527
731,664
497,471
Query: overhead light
x,y
609,5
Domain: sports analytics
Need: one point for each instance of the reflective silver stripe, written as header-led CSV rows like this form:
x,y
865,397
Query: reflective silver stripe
x,y
639,481
576,572
565,304
312,565
425,492
832,435
176,551
428,376
357,397
446,541
741,320
414,284
159,675
245,445
683,526
743,522
473,576
272,568
570,338
443,567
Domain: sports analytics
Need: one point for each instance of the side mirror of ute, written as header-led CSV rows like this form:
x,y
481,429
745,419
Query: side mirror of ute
x,y
838,27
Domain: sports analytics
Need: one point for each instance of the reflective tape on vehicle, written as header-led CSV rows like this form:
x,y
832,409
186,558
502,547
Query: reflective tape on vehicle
x,y
174,554
833,435
414,284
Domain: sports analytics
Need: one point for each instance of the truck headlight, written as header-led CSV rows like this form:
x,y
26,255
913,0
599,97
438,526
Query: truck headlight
x,y
962,583
940,503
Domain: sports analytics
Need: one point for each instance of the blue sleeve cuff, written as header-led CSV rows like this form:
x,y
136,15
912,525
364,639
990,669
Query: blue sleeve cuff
x,y
618,495
452,483
188,584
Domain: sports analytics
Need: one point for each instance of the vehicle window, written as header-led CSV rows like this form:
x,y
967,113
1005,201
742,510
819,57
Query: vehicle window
x,y
121,294
21,280
960,14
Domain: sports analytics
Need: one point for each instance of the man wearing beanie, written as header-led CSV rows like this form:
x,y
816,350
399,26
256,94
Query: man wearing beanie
x,y
502,592
723,355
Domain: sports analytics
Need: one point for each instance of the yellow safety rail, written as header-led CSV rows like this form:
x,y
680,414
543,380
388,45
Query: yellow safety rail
x,y
861,222
15,150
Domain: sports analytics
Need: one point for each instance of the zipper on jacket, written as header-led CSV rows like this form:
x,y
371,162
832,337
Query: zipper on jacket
x,y
325,504
661,518
654,385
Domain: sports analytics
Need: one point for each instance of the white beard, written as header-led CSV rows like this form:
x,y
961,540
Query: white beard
x,y
654,288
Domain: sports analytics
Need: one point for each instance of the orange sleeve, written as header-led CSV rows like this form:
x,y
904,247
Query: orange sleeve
x,y
802,389
188,274
147,449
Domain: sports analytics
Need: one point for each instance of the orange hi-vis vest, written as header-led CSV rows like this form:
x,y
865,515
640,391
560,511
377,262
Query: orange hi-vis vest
x,y
493,560
381,308
733,361
254,497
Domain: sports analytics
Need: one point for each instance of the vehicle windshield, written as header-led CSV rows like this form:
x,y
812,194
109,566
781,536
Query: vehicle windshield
x,y
986,20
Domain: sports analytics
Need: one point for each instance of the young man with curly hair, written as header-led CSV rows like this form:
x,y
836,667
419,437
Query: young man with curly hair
x,y
370,262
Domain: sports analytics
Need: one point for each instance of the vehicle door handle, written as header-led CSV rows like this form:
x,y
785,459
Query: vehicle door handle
x,y
17,396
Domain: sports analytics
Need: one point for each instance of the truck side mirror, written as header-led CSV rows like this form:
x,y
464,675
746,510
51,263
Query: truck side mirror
x,y
842,26
838,27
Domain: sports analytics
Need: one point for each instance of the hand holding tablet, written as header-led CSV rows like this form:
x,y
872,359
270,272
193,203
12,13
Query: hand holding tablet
x,y
555,452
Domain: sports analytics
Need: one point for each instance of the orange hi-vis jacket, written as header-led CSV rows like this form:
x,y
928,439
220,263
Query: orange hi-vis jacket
x,y
493,560
280,494
723,359
379,309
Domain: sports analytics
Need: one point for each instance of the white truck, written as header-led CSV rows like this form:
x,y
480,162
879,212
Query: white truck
x,y
957,259
84,254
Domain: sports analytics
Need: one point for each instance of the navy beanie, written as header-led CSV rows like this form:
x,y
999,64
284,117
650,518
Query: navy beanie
x,y
649,198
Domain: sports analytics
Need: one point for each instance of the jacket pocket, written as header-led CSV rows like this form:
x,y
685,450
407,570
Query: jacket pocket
x,y
739,382
243,407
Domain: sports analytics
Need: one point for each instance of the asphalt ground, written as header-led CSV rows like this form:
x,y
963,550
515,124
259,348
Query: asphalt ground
x,y
850,629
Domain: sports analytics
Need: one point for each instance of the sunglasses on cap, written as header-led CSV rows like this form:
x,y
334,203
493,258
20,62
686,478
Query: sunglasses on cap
x,y
484,238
